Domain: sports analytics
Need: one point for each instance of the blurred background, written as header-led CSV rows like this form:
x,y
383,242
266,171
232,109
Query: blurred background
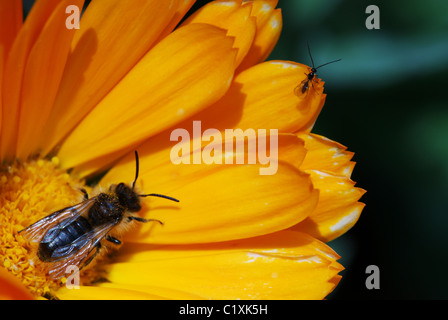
x,y
386,103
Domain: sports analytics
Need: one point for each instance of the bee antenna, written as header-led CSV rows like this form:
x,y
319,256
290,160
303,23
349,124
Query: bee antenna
x,y
136,169
309,52
328,63
151,194
158,195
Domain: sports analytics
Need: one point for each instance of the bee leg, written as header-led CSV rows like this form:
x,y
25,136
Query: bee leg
x,y
314,80
87,262
113,240
86,195
48,295
130,218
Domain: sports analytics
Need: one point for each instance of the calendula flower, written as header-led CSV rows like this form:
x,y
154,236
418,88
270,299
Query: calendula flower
x,y
76,103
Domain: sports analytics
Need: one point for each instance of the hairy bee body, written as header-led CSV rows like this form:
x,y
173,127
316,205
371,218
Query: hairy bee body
x,y
106,209
74,235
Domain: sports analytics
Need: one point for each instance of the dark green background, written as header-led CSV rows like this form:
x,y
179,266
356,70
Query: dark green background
x,y
386,102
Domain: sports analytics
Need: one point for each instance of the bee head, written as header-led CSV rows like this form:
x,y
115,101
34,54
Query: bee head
x,y
127,197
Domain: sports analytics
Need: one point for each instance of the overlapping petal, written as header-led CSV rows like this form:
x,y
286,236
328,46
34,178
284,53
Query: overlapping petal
x,y
103,51
14,71
106,292
263,97
283,265
10,23
1,92
269,25
256,26
209,214
180,10
219,201
173,81
42,75
330,168
326,155
233,17
157,155
11,288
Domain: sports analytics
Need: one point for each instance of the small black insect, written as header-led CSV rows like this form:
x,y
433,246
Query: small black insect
x,y
73,235
310,77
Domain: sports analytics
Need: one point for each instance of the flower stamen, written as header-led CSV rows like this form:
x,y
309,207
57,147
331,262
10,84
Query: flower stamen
x,y
28,192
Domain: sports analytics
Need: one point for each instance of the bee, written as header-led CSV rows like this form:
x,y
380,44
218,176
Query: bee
x,y
74,235
310,77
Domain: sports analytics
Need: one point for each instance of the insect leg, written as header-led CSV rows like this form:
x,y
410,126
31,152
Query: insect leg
x,y
143,220
113,240
48,295
86,195
87,262
314,80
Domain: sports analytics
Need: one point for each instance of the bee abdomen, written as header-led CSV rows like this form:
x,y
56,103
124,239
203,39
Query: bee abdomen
x,y
55,239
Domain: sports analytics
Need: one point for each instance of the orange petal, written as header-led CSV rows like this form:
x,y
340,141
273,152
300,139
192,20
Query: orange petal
x,y
156,158
173,81
11,288
269,26
263,97
338,208
42,75
1,94
283,265
181,9
231,16
241,105
329,166
157,149
329,225
14,70
104,49
222,202
159,174
326,155
105,291
335,190
10,23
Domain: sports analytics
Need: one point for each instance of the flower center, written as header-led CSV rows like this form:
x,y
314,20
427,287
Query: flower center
x,y
28,192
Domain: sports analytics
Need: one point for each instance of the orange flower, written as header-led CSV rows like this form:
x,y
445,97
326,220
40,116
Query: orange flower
x,y
77,103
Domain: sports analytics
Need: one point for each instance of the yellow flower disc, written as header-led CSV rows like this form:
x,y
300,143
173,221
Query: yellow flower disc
x,y
28,192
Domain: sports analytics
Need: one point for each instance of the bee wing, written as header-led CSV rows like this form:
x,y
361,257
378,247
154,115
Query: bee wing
x,y
58,219
298,89
79,251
